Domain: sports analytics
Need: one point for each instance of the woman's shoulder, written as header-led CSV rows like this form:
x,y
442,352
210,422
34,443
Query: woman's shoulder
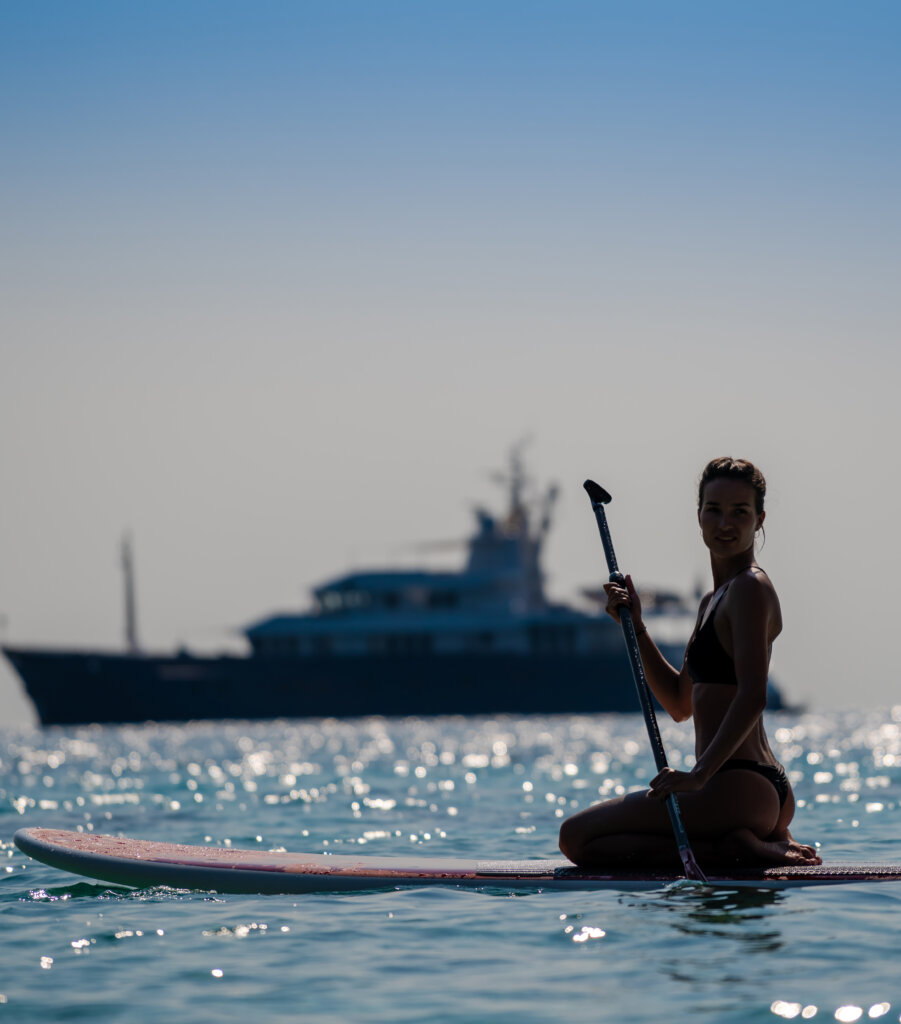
x,y
753,576
752,580
754,588
753,583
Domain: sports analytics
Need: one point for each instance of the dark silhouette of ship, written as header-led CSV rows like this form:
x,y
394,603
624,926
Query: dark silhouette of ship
x,y
482,640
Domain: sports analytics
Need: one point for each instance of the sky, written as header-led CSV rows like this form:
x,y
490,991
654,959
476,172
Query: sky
x,y
282,283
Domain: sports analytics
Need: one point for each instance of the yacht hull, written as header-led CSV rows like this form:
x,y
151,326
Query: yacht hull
x,y
71,687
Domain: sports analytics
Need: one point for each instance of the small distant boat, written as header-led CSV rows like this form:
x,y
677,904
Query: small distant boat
x,y
482,640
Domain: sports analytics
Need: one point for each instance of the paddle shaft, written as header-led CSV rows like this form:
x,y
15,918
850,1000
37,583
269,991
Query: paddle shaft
x,y
599,497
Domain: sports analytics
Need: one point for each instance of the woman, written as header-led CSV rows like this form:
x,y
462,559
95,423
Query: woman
x,y
736,801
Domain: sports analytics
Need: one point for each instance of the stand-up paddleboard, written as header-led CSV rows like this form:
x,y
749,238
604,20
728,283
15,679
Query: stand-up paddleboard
x,y
142,863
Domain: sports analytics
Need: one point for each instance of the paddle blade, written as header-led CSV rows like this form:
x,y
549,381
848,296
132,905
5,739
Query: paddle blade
x,y
692,870
597,493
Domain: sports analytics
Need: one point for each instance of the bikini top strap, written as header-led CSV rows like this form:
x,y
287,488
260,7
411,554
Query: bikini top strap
x,y
715,599
712,603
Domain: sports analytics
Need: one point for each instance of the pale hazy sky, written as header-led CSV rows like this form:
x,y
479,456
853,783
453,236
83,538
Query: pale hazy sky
x,y
281,283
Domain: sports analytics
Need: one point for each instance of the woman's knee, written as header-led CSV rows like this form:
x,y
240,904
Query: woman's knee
x,y
577,832
622,814
570,840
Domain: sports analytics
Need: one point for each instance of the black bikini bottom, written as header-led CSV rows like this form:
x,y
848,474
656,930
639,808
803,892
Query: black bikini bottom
x,y
773,773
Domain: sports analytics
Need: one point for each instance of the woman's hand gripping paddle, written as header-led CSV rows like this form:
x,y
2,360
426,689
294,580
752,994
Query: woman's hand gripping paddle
x,y
599,498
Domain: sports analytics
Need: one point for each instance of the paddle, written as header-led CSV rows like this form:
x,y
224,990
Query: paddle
x,y
599,498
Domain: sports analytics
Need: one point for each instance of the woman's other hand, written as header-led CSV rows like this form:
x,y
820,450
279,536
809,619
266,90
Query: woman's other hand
x,y
671,781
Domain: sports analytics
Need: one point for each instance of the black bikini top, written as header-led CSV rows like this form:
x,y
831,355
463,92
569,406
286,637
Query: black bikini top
x,y
706,658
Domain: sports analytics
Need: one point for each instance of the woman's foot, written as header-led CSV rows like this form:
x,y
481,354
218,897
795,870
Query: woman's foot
x,y
778,849
807,854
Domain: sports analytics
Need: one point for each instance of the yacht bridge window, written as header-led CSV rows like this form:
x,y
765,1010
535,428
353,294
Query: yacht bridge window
x,y
344,600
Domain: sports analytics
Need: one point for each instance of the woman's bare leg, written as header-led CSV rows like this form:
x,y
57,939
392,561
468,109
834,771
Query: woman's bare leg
x,y
635,830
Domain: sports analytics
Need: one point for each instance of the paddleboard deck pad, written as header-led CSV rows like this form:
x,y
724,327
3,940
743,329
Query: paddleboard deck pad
x,y
143,863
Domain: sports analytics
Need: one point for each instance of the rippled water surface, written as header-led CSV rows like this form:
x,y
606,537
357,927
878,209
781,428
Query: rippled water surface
x,y
72,949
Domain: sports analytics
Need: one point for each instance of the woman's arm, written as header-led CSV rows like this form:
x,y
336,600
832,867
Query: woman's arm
x,y
669,685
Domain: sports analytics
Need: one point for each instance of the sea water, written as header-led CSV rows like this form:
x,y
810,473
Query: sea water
x,y
73,949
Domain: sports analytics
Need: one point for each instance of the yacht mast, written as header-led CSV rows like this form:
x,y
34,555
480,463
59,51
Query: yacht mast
x,y
131,625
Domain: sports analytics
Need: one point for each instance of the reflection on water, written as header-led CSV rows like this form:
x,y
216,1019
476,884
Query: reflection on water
x,y
481,788
739,921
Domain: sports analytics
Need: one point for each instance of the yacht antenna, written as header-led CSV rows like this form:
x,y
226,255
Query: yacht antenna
x,y
516,481
131,625
550,498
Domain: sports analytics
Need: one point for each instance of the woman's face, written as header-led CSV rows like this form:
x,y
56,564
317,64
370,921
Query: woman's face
x,y
728,516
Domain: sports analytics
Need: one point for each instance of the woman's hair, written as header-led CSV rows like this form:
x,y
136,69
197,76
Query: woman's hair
x,y
734,469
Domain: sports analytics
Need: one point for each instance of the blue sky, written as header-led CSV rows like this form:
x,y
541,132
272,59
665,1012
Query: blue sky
x,y
262,259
